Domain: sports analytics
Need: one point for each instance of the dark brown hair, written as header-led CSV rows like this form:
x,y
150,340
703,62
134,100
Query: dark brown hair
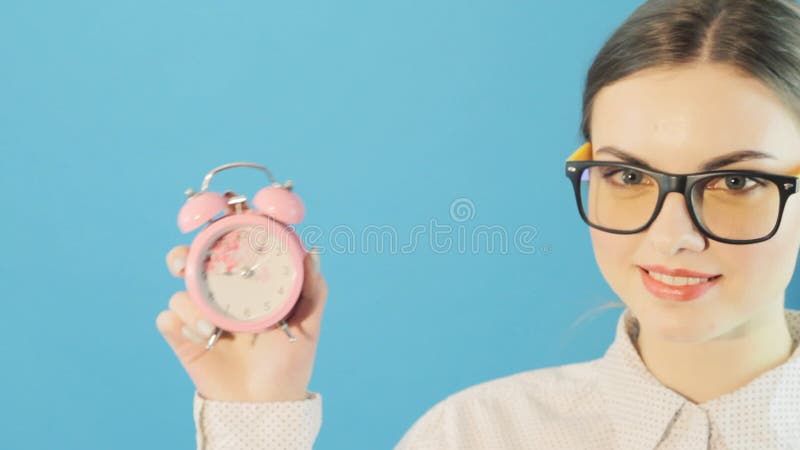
x,y
760,38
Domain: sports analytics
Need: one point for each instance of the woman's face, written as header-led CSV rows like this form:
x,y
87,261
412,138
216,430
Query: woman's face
x,y
675,120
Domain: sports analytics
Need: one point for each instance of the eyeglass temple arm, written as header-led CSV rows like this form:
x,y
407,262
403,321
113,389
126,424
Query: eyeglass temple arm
x,y
583,153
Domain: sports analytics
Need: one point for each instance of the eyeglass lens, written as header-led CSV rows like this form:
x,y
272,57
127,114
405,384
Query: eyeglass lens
x,y
729,206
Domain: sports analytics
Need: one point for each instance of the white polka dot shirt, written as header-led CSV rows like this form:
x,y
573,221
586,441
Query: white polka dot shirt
x,y
285,425
612,402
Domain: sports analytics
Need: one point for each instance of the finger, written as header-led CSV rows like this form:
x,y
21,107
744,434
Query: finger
x,y
176,260
188,348
172,328
195,324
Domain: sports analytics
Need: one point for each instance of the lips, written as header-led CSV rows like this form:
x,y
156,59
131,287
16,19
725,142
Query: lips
x,y
678,272
682,293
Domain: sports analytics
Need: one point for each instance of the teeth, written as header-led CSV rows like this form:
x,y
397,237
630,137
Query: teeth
x,y
677,281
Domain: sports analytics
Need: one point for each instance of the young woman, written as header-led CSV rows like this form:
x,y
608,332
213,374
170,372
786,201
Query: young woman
x,y
687,180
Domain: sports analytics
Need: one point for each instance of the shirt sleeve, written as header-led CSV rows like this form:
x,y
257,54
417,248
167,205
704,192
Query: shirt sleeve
x,y
222,425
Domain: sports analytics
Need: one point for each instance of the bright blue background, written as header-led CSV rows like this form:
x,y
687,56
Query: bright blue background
x,y
383,113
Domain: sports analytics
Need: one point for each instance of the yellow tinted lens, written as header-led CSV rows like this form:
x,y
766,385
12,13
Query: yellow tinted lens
x,y
737,207
619,198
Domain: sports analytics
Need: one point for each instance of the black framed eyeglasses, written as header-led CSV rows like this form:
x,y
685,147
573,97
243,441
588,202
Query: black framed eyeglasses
x,y
730,206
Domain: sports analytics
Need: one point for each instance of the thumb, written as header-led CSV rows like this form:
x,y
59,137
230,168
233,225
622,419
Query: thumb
x,y
314,293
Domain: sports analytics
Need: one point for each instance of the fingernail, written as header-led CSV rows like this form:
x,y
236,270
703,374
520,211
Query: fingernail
x,y
178,264
205,328
315,259
191,335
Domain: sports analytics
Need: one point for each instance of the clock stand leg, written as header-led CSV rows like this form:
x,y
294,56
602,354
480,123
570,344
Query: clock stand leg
x,y
213,339
285,327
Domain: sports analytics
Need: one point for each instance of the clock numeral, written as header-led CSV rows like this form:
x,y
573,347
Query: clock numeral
x,y
228,308
267,305
281,290
204,275
247,312
286,270
211,296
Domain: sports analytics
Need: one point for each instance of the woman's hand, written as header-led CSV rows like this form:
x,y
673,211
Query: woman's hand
x,y
247,367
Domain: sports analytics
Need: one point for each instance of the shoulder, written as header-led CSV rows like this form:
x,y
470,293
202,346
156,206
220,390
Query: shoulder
x,y
552,386
512,407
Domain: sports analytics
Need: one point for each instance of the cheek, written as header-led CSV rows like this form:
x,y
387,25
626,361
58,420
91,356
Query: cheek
x,y
789,232
756,275
778,256
614,254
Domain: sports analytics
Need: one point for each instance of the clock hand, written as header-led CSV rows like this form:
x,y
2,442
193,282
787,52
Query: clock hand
x,y
249,272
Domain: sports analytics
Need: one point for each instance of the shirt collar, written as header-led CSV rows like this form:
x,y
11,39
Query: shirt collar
x,y
641,409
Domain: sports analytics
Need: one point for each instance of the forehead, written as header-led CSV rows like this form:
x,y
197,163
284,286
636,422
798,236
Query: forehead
x,y
678,118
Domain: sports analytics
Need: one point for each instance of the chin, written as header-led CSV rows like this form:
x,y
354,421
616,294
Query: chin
x,y
687,326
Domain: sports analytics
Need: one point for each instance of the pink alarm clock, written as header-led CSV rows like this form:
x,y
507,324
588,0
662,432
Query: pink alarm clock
x,y
244,270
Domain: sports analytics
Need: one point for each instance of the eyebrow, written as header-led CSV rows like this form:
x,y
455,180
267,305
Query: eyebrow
x,y
714,163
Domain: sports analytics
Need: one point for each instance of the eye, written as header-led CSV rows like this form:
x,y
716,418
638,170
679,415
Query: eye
x,y
629,176
735,183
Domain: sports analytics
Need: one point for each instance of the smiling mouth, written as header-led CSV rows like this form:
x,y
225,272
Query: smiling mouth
x,y
677,288
678,280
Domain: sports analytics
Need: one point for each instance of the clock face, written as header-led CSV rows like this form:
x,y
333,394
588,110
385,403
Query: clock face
x,y
243,280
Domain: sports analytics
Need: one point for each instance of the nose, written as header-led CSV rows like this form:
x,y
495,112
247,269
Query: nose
x,y
673,230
